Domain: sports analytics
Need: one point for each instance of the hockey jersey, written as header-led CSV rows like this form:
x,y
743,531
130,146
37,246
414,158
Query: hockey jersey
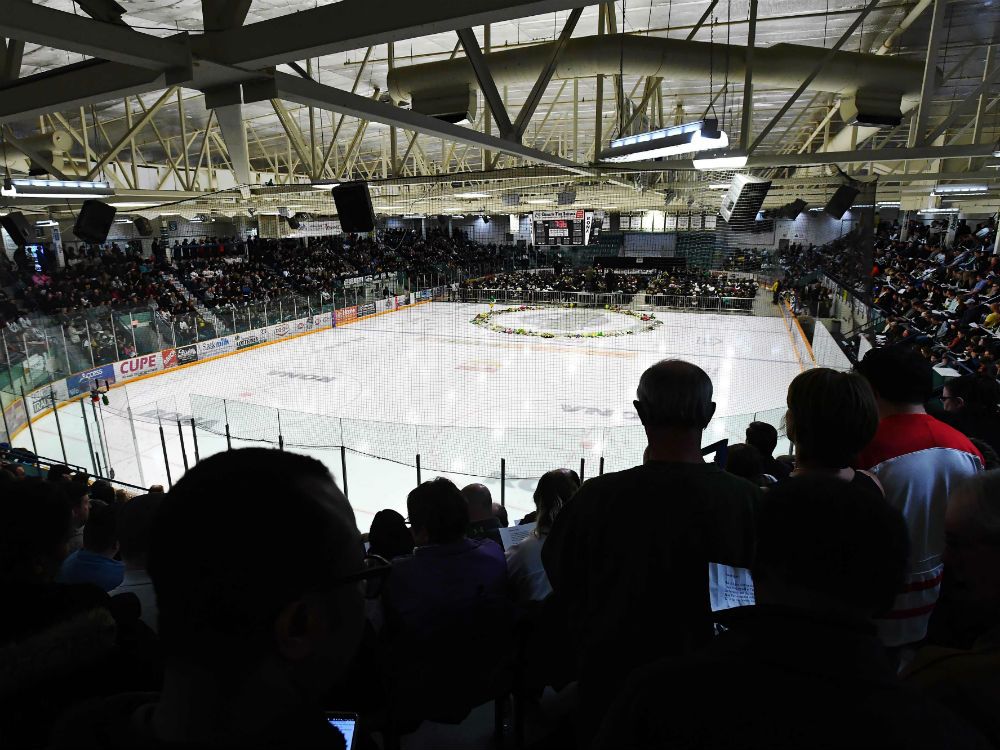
x,y
918,459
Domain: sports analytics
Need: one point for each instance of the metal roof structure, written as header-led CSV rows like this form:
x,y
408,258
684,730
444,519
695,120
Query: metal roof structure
x,y
174,100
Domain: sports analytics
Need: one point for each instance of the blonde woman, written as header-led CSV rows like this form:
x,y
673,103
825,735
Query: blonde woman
x,y
524,560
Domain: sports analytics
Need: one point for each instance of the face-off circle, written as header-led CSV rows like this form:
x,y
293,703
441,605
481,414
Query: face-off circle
x,y
567,322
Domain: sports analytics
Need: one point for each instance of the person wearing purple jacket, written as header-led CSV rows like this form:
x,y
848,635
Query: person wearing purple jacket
x,y
447,572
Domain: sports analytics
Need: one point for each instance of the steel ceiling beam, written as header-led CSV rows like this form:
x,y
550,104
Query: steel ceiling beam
x,y
55,28
222,15
817,69
139,124
746,120
331,99
75,86
535,96
969,104
10,64
230,117
768,161
701,21
107,11
352,24
486,83
918,126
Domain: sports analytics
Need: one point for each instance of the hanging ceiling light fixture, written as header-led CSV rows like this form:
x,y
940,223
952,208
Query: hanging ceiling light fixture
x,y
689,138
722,160
32,188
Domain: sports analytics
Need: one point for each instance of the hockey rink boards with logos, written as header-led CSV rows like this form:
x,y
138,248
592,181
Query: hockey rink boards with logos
x,y
426,379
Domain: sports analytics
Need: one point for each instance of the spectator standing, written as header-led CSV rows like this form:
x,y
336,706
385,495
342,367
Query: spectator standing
x,y
831,417
968,680
918,460
483,524
447,571
389,536
804,665
524,560
135,524
77,496
972,406
252,642
95,563
764,437
616,581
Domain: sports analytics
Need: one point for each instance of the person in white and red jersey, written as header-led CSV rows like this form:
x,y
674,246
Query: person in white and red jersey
x,y
918,459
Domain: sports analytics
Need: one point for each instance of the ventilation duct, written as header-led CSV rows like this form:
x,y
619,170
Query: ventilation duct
x,y
778,66
52,146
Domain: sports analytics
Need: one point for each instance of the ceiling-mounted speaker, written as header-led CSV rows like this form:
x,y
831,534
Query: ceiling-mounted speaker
x,y
792,210
745,197
17,227
566,197
841,200
486,219
94,221
293,222
143,226
511,199
354,207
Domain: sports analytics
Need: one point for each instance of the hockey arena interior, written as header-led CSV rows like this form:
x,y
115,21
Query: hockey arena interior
x,y
500,374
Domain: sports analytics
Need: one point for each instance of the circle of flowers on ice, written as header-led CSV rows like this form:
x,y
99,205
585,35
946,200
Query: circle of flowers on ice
x,y
488,320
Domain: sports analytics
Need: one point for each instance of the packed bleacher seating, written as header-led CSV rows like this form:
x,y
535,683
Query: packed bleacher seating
x,y
229,282
685,283
872,616
943,299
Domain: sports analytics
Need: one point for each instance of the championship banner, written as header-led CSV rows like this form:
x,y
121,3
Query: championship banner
x,y
169,358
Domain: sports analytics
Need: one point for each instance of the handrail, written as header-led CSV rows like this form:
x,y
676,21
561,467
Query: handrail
x,y
15,455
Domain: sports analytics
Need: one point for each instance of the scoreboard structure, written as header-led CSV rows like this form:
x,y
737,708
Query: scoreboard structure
x,y
573,227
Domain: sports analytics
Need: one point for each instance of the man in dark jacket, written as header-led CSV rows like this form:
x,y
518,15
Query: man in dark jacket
x,y
629,557
804,666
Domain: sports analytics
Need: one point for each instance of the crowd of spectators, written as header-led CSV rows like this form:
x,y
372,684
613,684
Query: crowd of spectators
x,y
226,283
323,263
676,283
214,615
941,297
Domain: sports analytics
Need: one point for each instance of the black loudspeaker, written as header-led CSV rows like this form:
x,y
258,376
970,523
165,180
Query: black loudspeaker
x,y
842,200
94,221
745,197
354,207
792,210
143,226
17,227
293,222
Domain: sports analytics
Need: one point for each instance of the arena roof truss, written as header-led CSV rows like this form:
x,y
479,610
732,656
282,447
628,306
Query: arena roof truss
x,y
174,100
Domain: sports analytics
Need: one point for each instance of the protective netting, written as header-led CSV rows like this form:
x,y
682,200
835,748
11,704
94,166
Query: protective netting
x,y
473,451
534,388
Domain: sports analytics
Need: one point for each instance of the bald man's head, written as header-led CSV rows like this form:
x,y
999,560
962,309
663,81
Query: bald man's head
x,y
480,501
674,394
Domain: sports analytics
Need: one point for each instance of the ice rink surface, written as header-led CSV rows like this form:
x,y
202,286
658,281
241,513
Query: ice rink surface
x,y
426,380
